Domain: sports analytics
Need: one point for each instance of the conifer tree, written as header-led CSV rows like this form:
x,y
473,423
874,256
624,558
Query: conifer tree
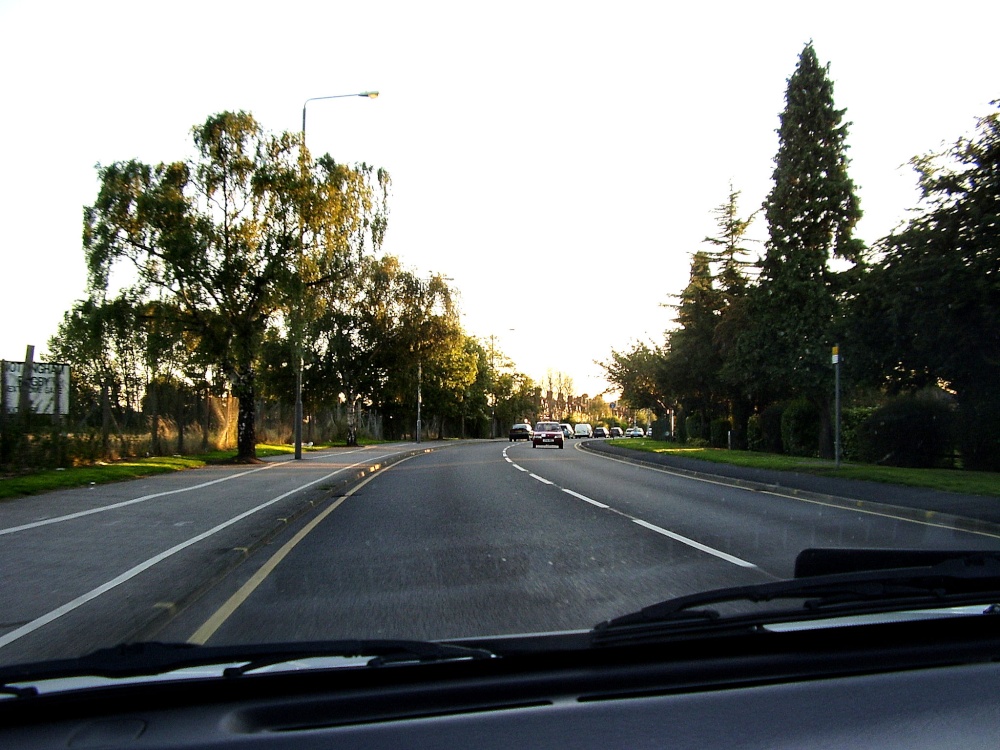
x,y
811,213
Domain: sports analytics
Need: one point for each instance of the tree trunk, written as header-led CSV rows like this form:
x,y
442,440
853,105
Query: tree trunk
x,y
154,407
246,429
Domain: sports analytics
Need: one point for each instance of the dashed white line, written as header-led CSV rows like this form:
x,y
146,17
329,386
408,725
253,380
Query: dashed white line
x,y
693,543
584,498
646,525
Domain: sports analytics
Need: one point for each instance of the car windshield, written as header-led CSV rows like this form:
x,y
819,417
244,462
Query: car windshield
x,y
261,383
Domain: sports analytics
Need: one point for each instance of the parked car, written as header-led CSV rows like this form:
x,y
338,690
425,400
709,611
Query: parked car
x,y
520,431
601,432
547,433
567,430
633,432
583,430
615,432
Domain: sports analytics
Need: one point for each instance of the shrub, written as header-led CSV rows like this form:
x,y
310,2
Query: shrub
x,y
755,434
770,426
800,428
719,430
851,420
980,436
909,431
694,426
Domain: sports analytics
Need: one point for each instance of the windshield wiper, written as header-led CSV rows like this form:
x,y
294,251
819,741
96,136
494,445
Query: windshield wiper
x,y
155,658
929,579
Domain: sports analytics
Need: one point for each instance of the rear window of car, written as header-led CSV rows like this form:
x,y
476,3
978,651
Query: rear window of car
x,y
548,427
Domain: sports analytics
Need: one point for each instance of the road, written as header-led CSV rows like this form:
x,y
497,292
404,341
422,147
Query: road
x,y
472,539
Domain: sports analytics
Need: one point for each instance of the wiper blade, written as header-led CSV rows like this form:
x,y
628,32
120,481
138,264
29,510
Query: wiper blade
x,y
946,579
155,658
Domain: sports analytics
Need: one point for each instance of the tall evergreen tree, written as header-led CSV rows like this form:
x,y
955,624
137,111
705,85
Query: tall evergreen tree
x,y
811,213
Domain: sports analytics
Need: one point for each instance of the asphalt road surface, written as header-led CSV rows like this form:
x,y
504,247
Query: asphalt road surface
x,y
469,539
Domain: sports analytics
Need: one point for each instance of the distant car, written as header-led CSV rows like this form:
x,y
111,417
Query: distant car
x,y
520,431
601,432
633,432
547,433
616,432
583,430
567,430
649,432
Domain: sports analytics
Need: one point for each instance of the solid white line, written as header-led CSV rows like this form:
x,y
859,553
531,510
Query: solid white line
x,y
584,498
146,565
219,617
144,498
696,545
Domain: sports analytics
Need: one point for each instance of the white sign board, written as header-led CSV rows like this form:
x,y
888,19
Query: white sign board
x,y
48,387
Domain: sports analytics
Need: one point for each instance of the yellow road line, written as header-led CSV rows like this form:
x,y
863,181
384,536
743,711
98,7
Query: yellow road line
x,y
213,623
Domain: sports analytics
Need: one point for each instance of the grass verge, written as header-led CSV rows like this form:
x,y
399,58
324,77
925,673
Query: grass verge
x,y
948,480
116,471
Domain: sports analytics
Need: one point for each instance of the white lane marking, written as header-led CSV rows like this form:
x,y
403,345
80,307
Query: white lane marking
x,y
836,506
219,617
519,468
696,545
584,498
652,527
132,572
144,498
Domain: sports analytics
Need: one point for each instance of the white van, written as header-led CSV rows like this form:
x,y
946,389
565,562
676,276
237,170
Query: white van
x,y
583,430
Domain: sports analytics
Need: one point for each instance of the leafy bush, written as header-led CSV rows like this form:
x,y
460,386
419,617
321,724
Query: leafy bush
x,y
851,420
800,429
755,434
770,429
695,427
720,433
909,431
980,436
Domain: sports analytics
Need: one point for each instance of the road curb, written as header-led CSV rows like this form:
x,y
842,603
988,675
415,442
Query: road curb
x,y
161,616
964,523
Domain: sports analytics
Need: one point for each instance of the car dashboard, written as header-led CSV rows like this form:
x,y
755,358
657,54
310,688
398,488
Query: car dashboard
x,y
911,684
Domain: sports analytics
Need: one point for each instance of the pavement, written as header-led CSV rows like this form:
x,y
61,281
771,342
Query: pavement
x,y
980,513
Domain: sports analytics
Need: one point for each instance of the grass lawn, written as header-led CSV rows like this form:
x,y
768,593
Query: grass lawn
x,y
949,480
116,471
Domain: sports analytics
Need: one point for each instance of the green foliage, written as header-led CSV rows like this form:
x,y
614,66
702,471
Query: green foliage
x,y
930,309
719,430
235,241
784,349
851,420
695,428
800,428
910,431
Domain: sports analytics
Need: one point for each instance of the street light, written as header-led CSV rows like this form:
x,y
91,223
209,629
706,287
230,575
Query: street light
x,y
298,335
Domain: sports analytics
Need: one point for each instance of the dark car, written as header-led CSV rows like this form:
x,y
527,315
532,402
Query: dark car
x,y
616,432
520,431
547,433
601,432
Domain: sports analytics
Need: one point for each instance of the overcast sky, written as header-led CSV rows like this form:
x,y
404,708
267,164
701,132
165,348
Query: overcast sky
x,y
559,160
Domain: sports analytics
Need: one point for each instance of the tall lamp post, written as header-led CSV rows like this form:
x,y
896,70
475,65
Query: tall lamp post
x,y
298,333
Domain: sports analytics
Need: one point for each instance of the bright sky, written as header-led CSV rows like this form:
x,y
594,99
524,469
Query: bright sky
x,y
559,160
